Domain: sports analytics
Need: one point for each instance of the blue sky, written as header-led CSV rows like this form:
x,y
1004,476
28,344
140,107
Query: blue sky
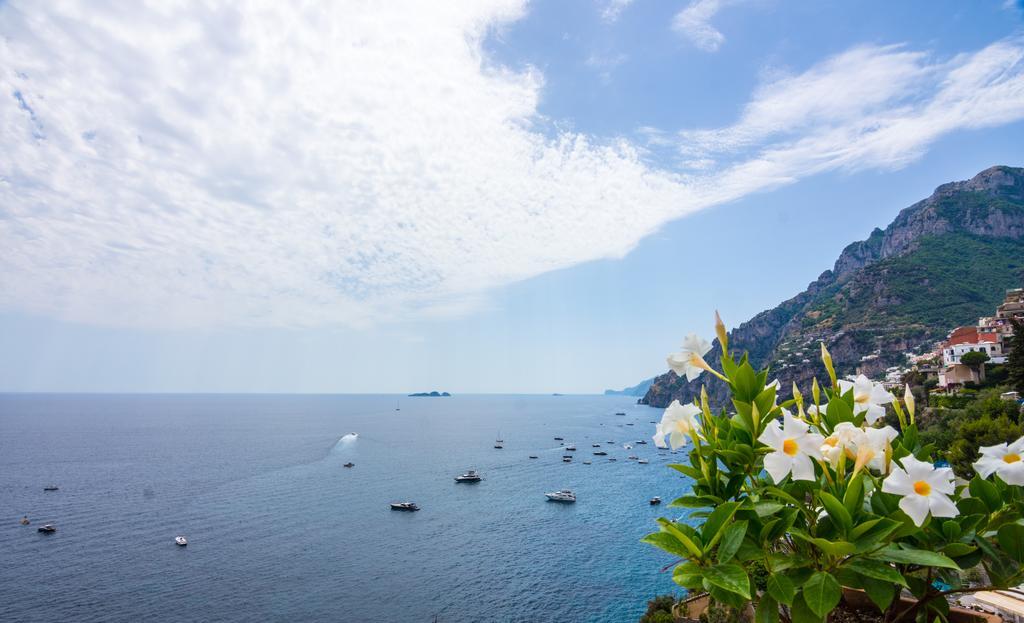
x,y
490,197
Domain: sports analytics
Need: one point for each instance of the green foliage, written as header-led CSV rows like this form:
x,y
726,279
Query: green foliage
x,y
721,613
659,610
781,530
974,359
1015,361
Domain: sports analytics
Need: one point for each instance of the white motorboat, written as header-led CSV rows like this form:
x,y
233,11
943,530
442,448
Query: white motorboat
x,y
571,447
470,476
567,459
632,457
643,461
404,506
600,453
586,462
562,495
642,442
595,445
180,540
627,446
655,501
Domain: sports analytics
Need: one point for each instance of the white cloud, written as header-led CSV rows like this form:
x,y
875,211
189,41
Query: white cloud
x,y
694,22
184,165
612,9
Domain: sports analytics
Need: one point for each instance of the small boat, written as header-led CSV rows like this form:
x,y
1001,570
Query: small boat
x,y
567,459
642,442
562,495
349,464
533,456
48,528
353,435
404,506
571,447
470,476
612,459
180,541
629,424
632,457
655,501
559,439
25,521
498,446
600,453
51,488
586,462
595,445
643,461
626,446
620,413
609,441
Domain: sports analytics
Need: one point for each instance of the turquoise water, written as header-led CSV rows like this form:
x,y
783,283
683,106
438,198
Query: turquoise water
x,y
279,530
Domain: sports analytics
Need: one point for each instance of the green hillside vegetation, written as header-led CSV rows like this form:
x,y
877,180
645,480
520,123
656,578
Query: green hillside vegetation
x,y
972,421
969,274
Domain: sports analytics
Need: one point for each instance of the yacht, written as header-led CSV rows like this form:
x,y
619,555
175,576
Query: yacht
x,y
642,442
600,453
404,506
655,501
571,447
595,445
563,495
48,528
643,461
567,459
50,488
180,540
470,476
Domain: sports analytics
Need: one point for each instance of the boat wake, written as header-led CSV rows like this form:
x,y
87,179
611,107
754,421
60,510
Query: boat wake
x,y
349,438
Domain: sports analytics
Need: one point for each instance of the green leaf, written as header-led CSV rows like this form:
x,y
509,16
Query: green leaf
x,y
731,540
921,557
667,542
986,492
800,613
822,593
832,548
881,593
1011,540
671,528
712,529
767,610
781,588
875,569
764,509
836,511
956,550
729,577
853,500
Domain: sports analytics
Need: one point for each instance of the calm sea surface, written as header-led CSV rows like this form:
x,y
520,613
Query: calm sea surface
x,y
279,530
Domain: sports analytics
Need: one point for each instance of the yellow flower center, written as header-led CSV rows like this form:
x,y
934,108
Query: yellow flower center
x,y
922,488
1011,458
790,447
831,441
683,427
862,398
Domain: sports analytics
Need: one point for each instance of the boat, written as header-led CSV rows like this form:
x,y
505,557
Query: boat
x,y
632,457
498,446
25,521
642,442
571,447
609,441
181,541
612,459
562,495
51,488
350,464
586,462
533,456
559,439
353,435
470,476
655,501
629,424
620,413
600,453
626,446
404,506
48,528
595,445
567,459
643,461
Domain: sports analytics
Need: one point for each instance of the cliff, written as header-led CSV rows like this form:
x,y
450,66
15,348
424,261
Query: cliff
x,y
942,262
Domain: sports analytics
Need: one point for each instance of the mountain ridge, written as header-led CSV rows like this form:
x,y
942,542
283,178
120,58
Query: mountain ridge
x,y
875,297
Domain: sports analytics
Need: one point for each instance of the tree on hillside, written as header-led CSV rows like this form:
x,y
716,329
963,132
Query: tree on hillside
x,y
1015,362
975,361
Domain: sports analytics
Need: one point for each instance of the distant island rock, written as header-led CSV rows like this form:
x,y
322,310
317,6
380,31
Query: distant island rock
x,y
639,389
430,395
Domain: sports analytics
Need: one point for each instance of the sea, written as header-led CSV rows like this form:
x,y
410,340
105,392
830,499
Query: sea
x,y
279,530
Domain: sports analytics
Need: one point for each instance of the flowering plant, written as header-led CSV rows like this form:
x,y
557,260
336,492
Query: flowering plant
x,y
804,498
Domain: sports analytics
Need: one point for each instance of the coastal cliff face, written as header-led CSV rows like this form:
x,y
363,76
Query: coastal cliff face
x,y
942,262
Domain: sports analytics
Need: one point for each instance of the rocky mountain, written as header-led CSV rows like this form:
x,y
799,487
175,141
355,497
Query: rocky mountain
x,y
640,389
942,262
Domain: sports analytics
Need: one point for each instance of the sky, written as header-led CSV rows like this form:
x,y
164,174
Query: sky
x,y
489,196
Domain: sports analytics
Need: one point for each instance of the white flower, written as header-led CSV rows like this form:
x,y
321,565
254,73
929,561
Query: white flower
x,y
867,396
924,488
677,423
793,446
689,361
908,398
875,448
1003,459
843,440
